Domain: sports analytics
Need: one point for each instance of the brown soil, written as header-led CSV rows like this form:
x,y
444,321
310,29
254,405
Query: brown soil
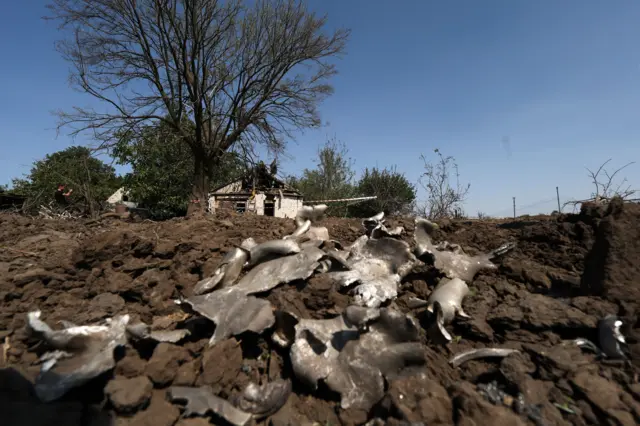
x,y
566,273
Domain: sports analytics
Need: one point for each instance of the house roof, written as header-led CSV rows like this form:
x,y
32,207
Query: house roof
x,y
264,181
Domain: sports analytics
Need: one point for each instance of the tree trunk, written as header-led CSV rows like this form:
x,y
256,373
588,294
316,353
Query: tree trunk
x,y
200,194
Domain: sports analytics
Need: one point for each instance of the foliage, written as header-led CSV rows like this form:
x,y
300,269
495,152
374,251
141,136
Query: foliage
x,y
444,200
162,169
92,180
395,194
331,179
244,74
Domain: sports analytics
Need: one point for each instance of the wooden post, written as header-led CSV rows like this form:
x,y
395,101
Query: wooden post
x,y
558,196
514,207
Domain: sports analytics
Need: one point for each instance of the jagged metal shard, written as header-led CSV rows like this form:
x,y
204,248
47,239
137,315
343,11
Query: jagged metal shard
x,y
374,227
318,233
422,236
313,352
450,258
446,302
450,294
233,312
284,333
80,353
300,230
227,272
311,213
272,273
459,359
353,361
378,265
271,250
265,400
389,345
142,331
201,401
612,342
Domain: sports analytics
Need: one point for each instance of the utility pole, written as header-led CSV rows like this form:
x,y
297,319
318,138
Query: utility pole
x,y
558,195
514,207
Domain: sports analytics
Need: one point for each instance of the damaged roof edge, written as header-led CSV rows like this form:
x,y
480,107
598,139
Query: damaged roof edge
x,y
285,186
285,192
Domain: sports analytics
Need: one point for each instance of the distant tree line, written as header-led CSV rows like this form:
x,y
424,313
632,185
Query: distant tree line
x,y
161,179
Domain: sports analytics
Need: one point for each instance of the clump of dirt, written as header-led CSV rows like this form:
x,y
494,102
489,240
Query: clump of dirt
x,y
566,273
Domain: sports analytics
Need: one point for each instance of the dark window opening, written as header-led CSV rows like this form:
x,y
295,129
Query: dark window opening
x,y
241,207
269,208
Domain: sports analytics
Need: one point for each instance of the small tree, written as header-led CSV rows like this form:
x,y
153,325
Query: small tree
x,y
92,180
395,195
444,200
331,179
162,169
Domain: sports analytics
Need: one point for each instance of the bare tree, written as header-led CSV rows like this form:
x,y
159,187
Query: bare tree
x,y
606,186
444,200
242,74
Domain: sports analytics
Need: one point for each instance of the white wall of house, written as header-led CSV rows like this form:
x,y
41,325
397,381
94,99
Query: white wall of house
x,y
259,200
287,207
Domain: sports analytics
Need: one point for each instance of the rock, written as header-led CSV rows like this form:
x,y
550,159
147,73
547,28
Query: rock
x,y
553,363
37,274
603,395
163,365
221,365
597,307
187,374
198,421
420,399
475,328
109,302
131,365
165,250
611,268
159,413
143,248
472,409
528,272
539,312
563,281
128,395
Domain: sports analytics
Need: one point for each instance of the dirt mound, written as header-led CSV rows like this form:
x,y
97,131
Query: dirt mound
x,y
613,265
566,273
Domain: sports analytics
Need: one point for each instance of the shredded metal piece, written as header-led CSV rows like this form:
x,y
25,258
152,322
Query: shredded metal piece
x,y
459,359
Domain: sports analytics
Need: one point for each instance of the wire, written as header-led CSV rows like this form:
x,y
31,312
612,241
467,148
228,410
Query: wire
x,y
509,211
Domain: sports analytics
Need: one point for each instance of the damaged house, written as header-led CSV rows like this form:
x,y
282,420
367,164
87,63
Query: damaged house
x,y
259,191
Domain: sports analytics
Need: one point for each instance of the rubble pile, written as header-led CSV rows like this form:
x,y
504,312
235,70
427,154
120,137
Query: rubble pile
x,y
243,344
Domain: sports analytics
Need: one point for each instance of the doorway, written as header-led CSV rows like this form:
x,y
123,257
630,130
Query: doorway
x,y
269,208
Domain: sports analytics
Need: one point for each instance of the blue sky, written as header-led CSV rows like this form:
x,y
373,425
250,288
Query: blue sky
x,y
524,94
